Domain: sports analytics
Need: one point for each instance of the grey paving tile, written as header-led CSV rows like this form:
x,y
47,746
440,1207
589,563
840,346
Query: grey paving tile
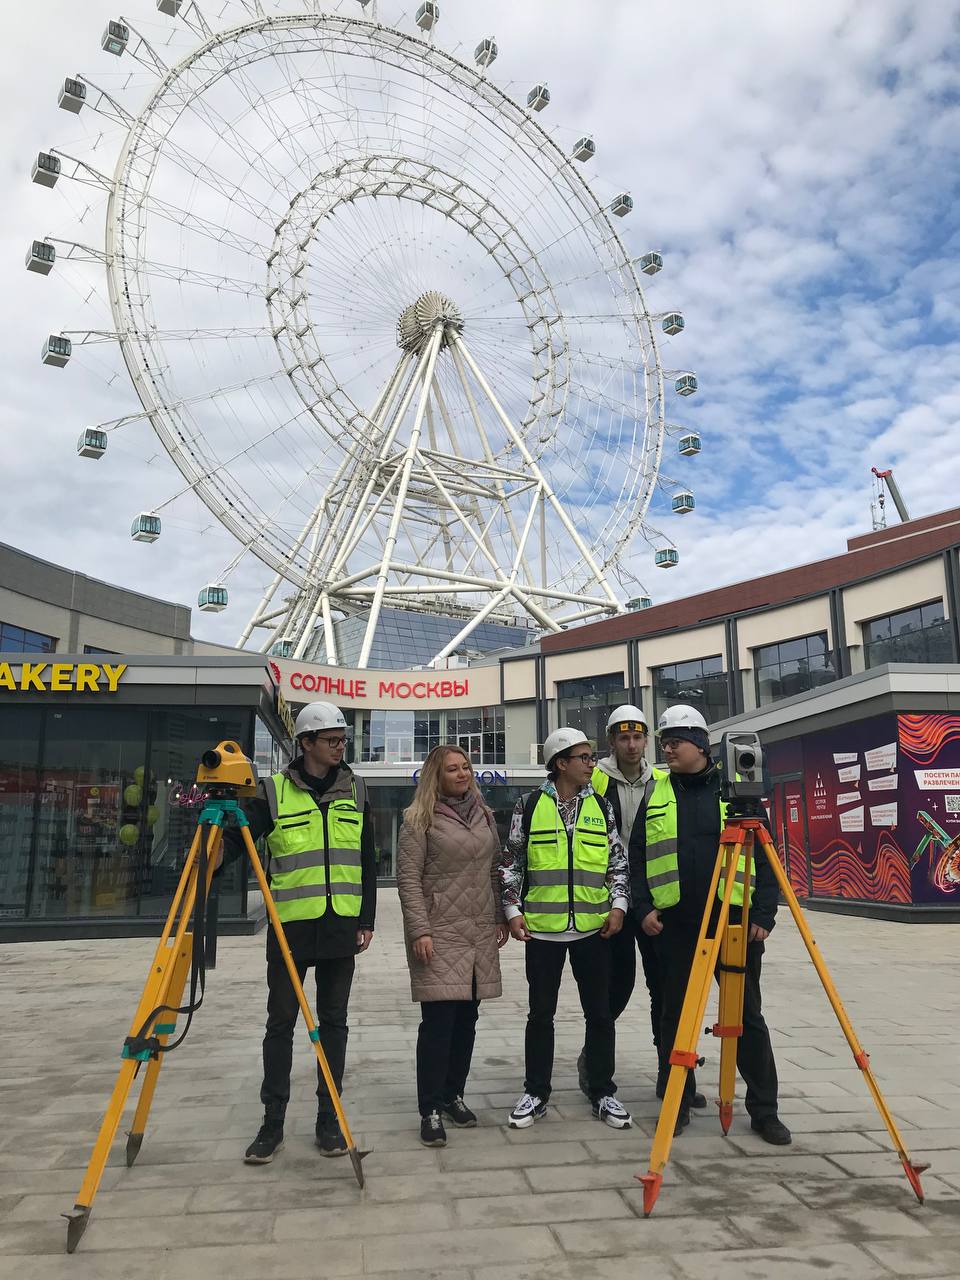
x,y
360,1221
938,1258
461,1248
556,1207
825,1262
178,1231
660,1234
286,1260
109,1204
653,1268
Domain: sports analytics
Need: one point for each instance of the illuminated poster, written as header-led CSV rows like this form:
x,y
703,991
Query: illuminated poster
x,y
883,809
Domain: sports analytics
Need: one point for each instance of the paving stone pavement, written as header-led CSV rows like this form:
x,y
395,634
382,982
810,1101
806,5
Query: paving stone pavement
x,y
557,1202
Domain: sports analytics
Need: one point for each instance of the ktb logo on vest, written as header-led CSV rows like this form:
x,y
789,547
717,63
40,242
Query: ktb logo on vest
x,y
593,821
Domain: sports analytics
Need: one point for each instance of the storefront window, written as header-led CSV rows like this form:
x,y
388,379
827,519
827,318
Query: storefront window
x,y
912,635
586,704
792,666
19,757
701,683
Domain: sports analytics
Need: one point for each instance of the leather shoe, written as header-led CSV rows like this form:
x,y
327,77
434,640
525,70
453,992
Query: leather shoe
x,y
772,1129
683,1119
698,1100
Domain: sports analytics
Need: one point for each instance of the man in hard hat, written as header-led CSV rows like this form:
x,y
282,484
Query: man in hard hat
x,y
323,876
672,856
625,777
566,889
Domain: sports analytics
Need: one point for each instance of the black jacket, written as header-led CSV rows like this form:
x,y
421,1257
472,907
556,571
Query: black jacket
x,y
329,936
698,841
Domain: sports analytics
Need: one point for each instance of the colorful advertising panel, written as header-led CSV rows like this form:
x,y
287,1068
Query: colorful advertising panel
x,y
882,809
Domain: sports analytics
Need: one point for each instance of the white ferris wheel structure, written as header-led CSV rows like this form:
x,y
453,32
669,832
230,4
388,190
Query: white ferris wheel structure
x,y
390,334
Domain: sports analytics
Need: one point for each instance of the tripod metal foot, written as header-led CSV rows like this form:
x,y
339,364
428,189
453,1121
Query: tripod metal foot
x,y
77,1220
913,1172
134,1143
651,1189
356,1159
726,1115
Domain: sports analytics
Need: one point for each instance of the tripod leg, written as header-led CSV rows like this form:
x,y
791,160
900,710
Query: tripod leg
x,y
355,1156
860,1057
163,1031
683,1056
732,974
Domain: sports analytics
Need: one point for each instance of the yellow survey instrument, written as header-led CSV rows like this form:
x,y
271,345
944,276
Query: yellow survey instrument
x,y
722,950
224,773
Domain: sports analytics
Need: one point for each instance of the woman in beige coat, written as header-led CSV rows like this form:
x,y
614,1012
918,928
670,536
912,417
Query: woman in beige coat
x,y
453,923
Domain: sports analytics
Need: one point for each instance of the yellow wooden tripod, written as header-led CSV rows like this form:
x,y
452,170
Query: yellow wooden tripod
x,y
727,943
225,774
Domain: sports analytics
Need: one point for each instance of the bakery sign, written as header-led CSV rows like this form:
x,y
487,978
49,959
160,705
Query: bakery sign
x,y
61,677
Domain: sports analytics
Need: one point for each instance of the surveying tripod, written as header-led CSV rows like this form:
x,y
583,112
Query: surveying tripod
x,y
225,774
727,943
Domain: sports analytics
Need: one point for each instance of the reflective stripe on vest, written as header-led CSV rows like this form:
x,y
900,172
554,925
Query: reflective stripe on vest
x,y
663,867
306,840
567,878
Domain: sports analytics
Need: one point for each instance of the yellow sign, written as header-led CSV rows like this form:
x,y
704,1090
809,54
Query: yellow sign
x,y
62,677
285,715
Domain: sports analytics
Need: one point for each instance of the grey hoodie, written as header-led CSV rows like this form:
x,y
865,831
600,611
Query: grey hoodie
x,y
630,795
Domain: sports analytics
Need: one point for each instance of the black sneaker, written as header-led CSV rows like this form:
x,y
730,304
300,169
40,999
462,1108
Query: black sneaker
x,y
459,1114
432,1132
265,1145
698,1100
772,1129
329,1138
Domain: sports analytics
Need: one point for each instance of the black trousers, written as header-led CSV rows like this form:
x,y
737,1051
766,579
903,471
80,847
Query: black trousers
x,y
444,1049
334,979
675,948
623,972
590,962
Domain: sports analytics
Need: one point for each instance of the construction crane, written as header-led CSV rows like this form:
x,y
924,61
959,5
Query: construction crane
x,y
884,483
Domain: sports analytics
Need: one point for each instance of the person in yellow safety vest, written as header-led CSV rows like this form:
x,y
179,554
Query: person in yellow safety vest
x,y
565,889
673,851
322,867
625,777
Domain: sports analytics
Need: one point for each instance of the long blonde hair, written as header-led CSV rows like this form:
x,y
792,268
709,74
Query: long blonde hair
x,y
419,814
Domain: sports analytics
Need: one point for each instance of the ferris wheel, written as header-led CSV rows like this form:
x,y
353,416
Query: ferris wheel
x,y
377,315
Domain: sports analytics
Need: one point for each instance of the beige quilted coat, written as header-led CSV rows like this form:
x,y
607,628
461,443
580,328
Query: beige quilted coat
x,y
448,888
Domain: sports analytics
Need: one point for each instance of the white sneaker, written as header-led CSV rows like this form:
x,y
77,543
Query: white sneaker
x,y
527,1110
612,1112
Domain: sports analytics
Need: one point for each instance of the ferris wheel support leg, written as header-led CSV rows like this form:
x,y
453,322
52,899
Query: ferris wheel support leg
x,y
458,344
488,453
430,355
268,595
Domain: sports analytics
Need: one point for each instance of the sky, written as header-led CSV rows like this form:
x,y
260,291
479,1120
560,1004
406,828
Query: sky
x,y
795,164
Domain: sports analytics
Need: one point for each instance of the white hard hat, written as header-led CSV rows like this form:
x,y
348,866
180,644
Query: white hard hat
x,y
559,741
317,716
627,719
681,717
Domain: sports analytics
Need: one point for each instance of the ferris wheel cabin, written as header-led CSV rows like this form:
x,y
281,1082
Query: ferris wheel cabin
x,y
585,149
672,323
683,502
538,97
40,257
212,599
686,384
73,95
689,445
170,7
92,443
666,557
46,169
622,204
145,528
651,263
115,37
56,351
638,603
282,648
485,53
428,15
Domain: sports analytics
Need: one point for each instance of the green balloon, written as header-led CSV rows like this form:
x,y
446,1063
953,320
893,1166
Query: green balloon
x,y
129,833
153,813
139,774
132,795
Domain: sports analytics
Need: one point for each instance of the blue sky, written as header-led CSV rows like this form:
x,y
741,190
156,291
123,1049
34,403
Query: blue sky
x,y
796,165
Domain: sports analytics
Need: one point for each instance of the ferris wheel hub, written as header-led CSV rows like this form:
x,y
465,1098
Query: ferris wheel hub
x,y
431,311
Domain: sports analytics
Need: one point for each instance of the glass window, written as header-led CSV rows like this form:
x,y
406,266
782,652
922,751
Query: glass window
x,y
20,733
920,634
17,640
586,704
107,653
792,666
701,683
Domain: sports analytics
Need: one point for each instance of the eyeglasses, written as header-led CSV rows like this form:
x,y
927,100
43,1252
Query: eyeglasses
x,y
585,759
332,743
